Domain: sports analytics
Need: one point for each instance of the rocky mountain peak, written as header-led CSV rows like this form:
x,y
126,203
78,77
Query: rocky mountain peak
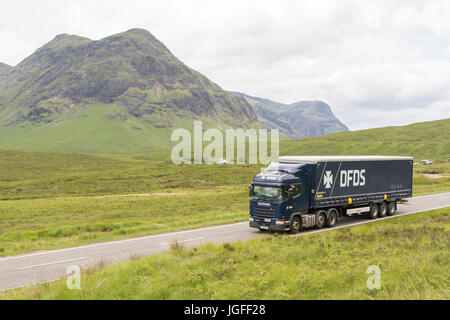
x,y
296,120
131,69
4,69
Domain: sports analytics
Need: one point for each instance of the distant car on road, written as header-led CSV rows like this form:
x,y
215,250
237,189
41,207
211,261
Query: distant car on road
x,y
427,162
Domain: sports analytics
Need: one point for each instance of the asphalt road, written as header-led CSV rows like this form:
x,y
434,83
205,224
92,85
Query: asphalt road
x,y
28,269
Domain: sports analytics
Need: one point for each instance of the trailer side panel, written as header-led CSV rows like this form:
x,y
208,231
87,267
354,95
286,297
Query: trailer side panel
x,y
352,182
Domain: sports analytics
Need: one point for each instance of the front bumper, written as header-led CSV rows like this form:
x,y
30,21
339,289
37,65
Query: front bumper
x,y
273,225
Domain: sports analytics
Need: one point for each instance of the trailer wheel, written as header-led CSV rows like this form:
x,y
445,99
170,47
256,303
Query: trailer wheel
x,y
382,209
391,208
321,219
332,218
373,214
296,225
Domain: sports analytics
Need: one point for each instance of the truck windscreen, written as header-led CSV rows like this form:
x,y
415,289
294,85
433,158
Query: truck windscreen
x,y
268,193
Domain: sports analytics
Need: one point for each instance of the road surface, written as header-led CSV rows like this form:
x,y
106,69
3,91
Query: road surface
x,y
28,269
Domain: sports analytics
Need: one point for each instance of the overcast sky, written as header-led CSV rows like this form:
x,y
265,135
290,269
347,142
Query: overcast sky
x,y
376,63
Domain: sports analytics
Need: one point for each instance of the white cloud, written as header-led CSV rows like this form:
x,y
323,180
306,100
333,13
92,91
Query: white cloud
x,y
375,62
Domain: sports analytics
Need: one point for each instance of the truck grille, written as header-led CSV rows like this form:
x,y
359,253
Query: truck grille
x,y
264,212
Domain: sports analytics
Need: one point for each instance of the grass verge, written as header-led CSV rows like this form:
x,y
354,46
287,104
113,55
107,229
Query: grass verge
x,y
43,224
411,251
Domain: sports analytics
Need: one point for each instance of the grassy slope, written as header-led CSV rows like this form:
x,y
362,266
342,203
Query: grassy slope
x,y
425,139
47,198
88,131
412,252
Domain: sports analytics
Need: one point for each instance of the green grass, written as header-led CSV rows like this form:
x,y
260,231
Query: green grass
x,y
87,131
422,140
25,175
105,130
42,224
411,251
47,200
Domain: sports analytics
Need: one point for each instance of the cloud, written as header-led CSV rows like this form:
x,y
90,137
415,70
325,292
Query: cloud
x,y
375,62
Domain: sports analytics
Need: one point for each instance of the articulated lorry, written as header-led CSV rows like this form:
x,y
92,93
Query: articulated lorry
x,y
317,191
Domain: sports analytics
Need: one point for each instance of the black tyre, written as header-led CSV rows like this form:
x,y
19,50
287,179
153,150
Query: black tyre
x,y
296,225
332,218
373,214
382,209
321,219
391,208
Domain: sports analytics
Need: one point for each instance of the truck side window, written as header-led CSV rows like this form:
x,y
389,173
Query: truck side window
x,y
296,191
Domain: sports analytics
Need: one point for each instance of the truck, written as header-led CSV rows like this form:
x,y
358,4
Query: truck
x,y
301,192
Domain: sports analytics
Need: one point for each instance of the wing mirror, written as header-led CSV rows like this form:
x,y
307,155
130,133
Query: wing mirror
x,y
250,189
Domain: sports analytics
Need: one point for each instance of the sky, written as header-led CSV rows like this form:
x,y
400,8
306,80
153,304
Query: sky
x,y
376,63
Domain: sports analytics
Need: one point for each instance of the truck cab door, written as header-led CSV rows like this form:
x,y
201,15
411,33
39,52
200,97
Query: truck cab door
x,y
302,199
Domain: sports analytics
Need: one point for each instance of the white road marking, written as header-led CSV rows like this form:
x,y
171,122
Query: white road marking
x,y
120,241
49,263
172,236
197,230
180,241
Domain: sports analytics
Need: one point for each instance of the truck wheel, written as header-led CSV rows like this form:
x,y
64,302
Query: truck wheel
x,y
391,208
296,225
373,214
321,219
332,218
382,209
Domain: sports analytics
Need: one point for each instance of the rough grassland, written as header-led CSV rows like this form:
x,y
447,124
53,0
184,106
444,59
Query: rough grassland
x,y
47,200
28,175
422,140
38,224
413,253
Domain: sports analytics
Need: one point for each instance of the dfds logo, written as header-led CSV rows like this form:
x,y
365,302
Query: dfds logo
x,y
353,178
328,179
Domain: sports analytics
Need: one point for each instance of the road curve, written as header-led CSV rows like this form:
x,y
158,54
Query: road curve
x,y
28,269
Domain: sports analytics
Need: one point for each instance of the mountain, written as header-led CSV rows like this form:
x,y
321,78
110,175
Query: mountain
x,y
123,93
297,120
4,70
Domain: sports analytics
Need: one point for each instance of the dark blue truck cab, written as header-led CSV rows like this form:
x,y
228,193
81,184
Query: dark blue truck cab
x,y
318,191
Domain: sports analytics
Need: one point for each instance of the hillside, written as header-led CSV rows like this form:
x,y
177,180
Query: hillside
x,y
108,96
296,120
423,139
50,200
4,70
